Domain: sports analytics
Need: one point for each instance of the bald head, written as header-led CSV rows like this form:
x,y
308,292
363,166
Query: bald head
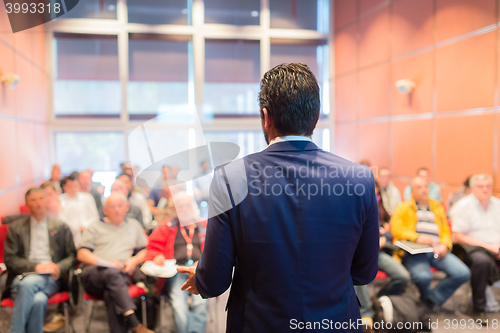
x,y
116,207
420,189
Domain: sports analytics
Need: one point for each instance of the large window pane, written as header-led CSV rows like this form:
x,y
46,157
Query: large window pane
x,y
232,76
159,77
101,151
300,14
93,9
232,12
86,79
313,53
160,11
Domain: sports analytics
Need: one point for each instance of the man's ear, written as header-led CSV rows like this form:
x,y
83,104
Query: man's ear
x,y
267,119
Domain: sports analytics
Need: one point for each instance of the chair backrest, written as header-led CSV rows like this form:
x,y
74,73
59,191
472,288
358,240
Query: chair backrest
x,y
23,209
3,235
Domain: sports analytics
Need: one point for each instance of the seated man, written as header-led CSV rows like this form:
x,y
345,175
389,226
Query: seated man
x,y
182,239
423,220
133,211
476,225
78,209
136,198
43,247
106,250
434,189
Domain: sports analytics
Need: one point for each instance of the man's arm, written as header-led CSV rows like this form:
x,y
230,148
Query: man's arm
x,y
91,208
399,226
215,267
364,266
13,261
461,237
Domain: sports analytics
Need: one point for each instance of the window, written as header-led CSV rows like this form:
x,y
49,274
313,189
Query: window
x,y
300,14
160,11
159,77
232,76
93,9
86,80
314,54
232,12
101,151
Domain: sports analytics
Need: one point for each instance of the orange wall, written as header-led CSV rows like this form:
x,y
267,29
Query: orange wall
x,y
24,137
449,48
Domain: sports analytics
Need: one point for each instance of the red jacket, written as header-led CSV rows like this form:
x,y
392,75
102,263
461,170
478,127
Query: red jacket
x,y
162,240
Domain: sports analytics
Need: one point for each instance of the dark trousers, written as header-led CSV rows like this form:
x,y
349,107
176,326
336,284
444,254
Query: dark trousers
x,y
112,285
481,264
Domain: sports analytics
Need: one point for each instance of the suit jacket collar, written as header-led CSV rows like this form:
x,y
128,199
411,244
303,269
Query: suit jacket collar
x,y
292,146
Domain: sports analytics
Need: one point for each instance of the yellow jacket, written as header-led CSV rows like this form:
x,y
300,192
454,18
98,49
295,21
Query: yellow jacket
x,y
404,219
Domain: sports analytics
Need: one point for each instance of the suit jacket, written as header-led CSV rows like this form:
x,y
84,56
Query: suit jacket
x,y
296,253
17,248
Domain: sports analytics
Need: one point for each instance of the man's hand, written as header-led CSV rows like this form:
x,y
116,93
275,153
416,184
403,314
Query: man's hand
x,y
50,268
383,241
495,249
130,266
441,250
117,264
424,239
159,260
189,284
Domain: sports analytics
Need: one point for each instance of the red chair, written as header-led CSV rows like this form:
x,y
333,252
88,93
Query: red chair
x,y
3,235
133,290
62,297
24,209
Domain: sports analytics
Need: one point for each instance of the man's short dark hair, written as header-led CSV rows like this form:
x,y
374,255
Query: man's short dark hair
x,y
73,176
124,174
46,184
30,191
422,169
290,93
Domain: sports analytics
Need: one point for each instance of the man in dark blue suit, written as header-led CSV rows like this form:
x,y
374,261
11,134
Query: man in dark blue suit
x,y
299,225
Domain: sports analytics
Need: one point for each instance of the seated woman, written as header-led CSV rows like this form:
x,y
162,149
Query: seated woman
x,y
181,238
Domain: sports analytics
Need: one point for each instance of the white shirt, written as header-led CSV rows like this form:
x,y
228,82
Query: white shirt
x,y
77,212
39,241
289,138
139,200
469,217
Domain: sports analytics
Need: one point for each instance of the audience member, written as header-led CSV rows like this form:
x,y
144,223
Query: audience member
x,y
181,239
85,180
55,178
127,168
454,197
398,274
133,211
159,190
476,226
202,183
390,193
423,220
107,251
53,203
39,251
137,199
78,209
434,189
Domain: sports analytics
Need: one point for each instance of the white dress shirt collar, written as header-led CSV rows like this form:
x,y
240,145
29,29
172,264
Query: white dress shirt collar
x,y
34,222
289,138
